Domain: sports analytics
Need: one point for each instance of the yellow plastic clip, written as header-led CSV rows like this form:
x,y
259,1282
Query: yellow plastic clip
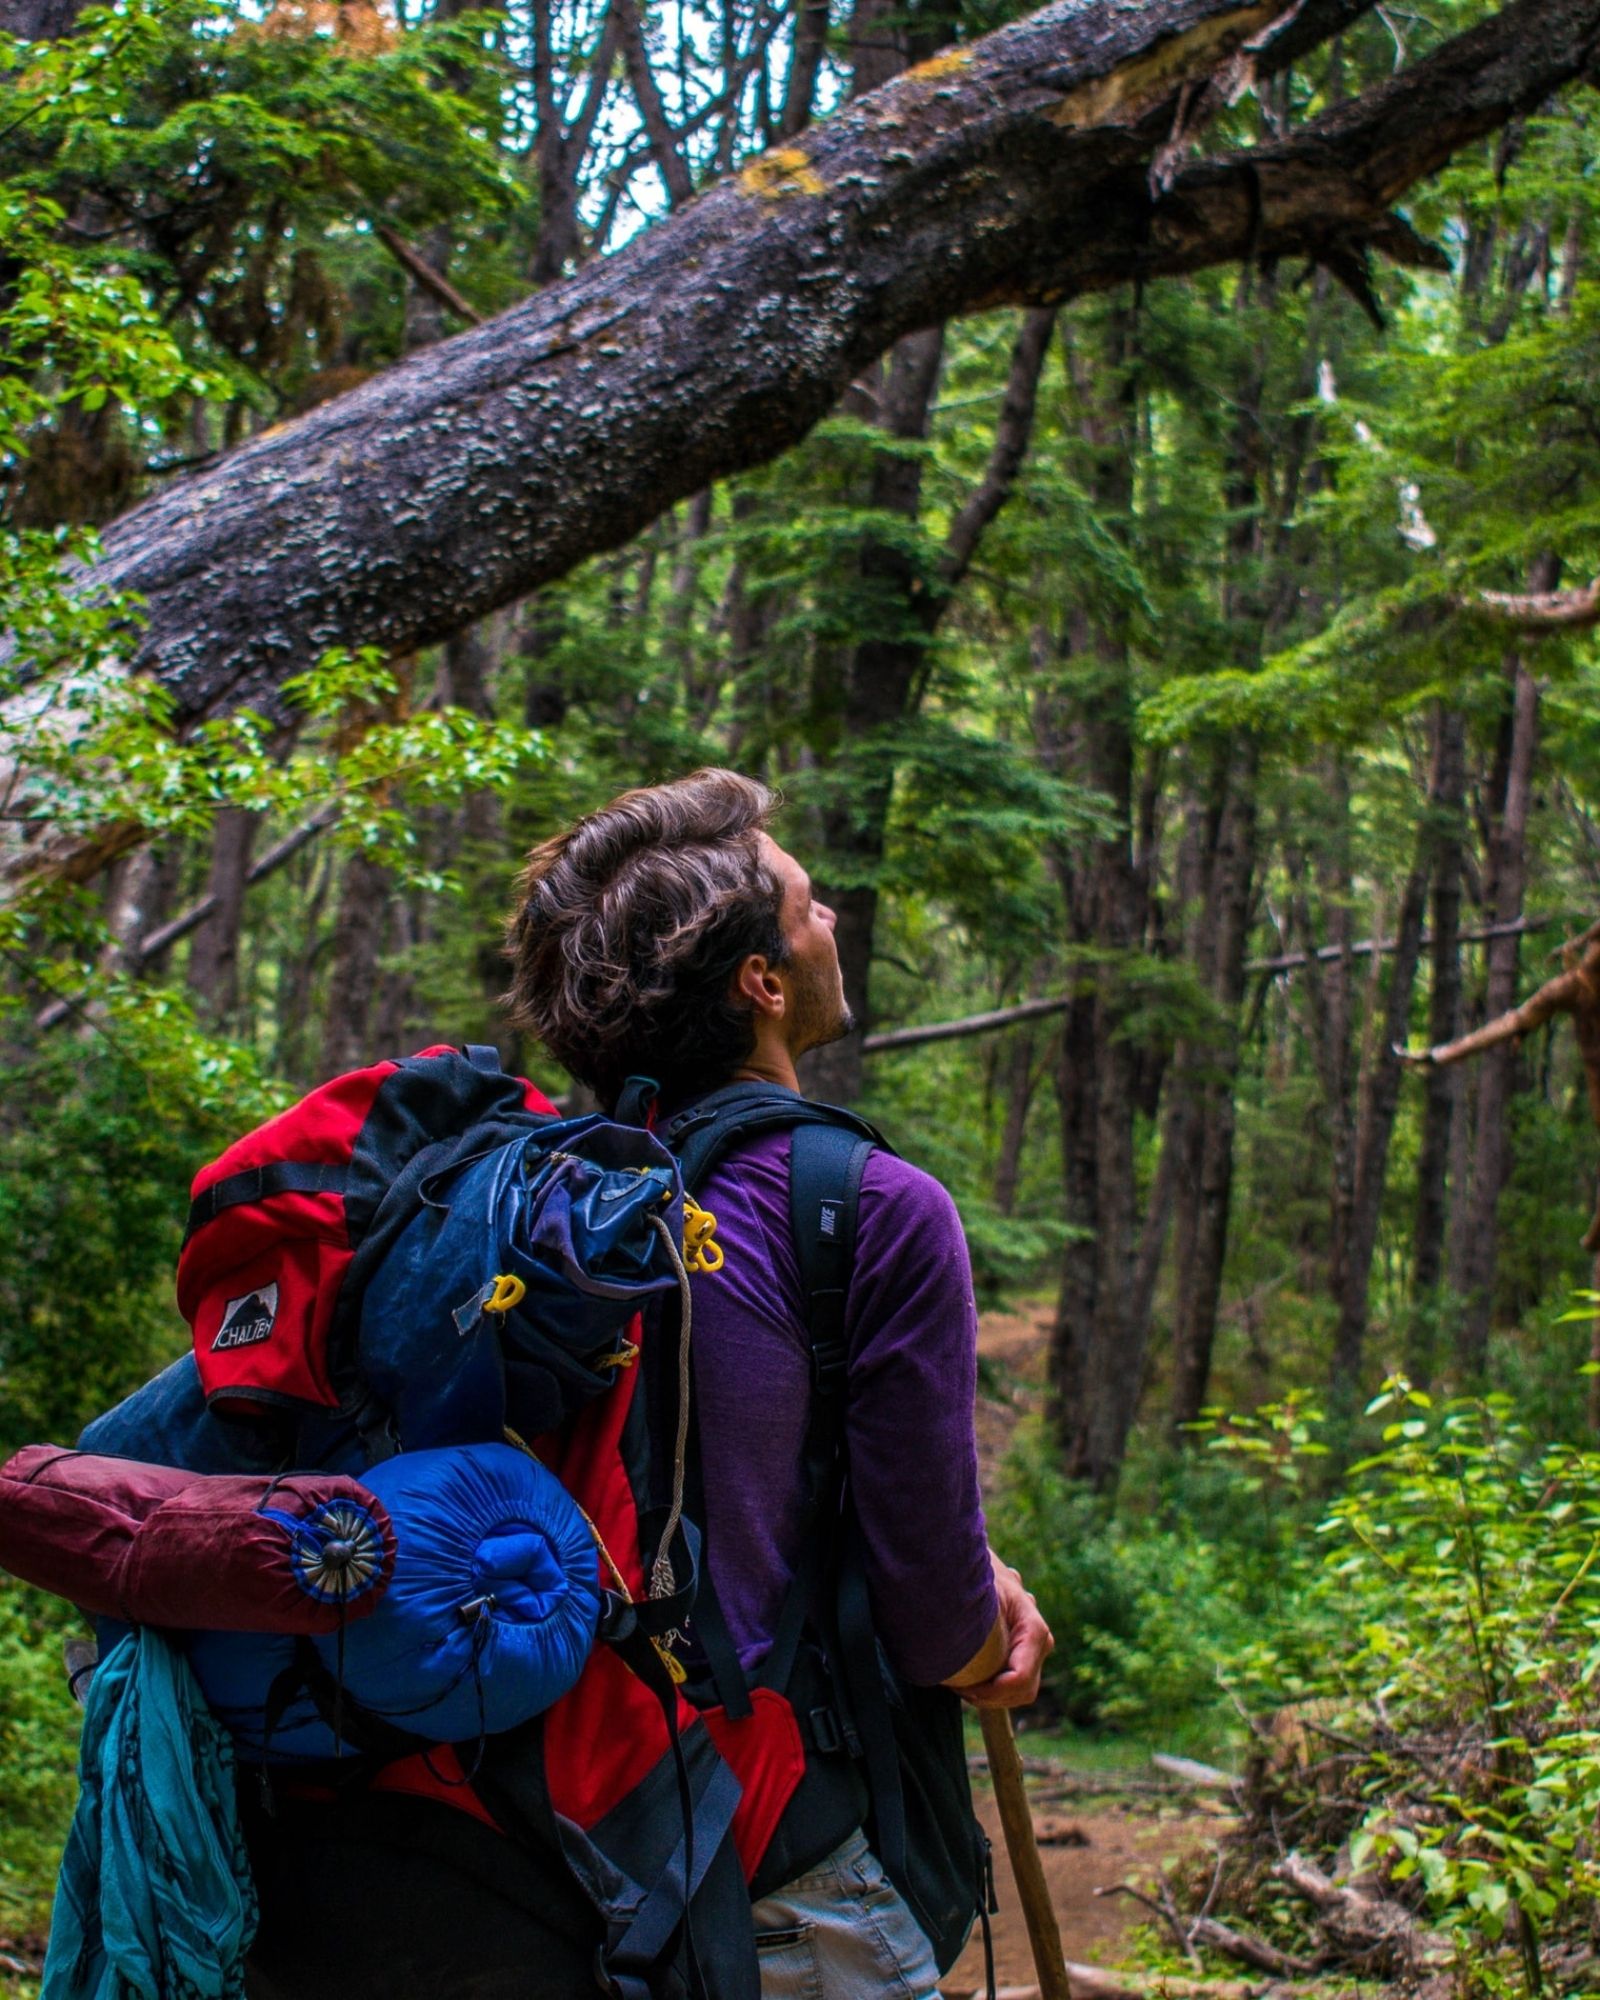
x,y
669,1659
701,1251
508,1291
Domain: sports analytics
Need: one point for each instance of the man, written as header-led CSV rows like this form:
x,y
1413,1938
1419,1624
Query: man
x,y
670,935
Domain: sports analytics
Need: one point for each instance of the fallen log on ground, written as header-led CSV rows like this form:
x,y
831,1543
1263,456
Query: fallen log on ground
x,y
1364,1930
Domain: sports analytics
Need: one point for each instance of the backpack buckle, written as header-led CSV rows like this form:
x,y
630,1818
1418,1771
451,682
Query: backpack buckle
x,y
830,1360
831,1734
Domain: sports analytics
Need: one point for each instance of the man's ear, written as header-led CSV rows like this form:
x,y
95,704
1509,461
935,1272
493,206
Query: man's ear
x,y
757,983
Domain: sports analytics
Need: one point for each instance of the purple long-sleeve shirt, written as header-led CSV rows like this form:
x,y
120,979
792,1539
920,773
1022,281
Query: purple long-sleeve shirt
x,y
911,1327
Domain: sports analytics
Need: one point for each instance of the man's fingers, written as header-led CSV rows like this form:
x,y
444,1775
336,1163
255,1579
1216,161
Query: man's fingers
x,y
1006,1690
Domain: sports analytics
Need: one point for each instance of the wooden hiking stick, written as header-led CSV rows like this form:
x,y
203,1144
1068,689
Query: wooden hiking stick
x,y
1016,1822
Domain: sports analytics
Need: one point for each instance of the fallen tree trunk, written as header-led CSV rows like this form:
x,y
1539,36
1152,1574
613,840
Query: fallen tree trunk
x,y
1013,171
465,477
1016,171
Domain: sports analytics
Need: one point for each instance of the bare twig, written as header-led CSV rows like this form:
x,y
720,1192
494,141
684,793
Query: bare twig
x,y
1164,1911
431,281
1288,961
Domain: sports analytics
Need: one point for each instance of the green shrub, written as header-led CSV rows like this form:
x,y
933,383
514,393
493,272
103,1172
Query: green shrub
x,y
38,1756
96,1157
1191,1589
1443,1601
1469,1555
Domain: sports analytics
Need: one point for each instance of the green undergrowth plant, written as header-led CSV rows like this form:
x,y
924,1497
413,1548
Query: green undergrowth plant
x,y
1471,1553
38,1757
1401,1655
1174,1607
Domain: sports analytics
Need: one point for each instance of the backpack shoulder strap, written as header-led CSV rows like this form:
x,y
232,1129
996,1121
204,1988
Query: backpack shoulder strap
x,y
705,1131
825,1170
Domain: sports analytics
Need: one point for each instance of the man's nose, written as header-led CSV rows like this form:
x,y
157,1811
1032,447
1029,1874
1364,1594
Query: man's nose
x,y
826,915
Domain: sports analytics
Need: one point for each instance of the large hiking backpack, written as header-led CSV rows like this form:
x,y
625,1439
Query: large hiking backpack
x,y
669,1785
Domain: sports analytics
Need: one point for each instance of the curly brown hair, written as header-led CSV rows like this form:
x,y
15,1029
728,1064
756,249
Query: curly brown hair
x,y
630,926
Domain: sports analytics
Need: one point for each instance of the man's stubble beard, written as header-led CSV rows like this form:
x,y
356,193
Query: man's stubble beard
x,y
822,1014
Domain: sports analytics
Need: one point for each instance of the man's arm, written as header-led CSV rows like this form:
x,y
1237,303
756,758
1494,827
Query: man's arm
x,y
946,1609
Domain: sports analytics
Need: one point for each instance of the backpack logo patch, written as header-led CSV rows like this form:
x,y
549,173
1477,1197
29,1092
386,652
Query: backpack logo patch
x,y
247,1320
830,1219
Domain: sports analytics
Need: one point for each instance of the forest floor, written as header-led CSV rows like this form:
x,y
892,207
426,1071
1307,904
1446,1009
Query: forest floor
x,y
1089,1847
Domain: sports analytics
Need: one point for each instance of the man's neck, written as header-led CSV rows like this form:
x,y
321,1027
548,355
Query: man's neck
x,y
782,1074
769,1062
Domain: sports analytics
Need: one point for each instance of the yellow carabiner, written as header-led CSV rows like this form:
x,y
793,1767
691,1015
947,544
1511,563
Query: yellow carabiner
x,y
676,1670
508,1291
701,1251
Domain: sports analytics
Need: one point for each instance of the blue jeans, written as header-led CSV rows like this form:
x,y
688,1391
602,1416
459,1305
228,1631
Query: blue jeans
x,y
842,1931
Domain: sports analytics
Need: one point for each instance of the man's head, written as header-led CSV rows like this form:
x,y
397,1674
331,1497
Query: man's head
x,y
668,935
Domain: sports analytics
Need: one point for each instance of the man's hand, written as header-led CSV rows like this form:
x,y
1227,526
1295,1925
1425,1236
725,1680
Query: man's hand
x,y
1029,1643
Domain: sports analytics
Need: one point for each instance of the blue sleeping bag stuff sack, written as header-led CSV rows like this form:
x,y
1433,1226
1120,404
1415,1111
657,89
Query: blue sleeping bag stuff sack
x,y
488,1620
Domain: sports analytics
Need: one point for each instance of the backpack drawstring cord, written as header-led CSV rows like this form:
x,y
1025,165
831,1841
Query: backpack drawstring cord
x,y
663,1580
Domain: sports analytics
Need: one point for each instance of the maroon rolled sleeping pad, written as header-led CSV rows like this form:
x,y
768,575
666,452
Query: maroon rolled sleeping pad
x,y
193,1551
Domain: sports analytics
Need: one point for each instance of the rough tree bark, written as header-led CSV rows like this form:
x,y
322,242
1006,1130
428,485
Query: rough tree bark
x,y
1331,1002
352,1004
1259,499
1083,727
213,973
1018,1069
1208,1130
1378,1099
1014,170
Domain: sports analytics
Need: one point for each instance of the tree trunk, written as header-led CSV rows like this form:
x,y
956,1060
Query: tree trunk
x,y
353,988
1443,1083
146,894
810,46
465,477
213,974
885,675
297,971
1085,733
471,661
1084,729
1209,1132
1379,1099
1506,873
39,20
1019,1078
559,149
880,678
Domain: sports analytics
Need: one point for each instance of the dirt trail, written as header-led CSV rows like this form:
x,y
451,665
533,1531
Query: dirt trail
x,y
1114,1845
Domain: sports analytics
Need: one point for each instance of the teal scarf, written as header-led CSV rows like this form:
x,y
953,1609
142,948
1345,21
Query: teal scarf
x,y
155,1900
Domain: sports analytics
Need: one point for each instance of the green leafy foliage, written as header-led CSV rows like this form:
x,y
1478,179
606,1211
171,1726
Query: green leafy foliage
x,y
1198,1590
38,1756
94,1158
1471,1553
